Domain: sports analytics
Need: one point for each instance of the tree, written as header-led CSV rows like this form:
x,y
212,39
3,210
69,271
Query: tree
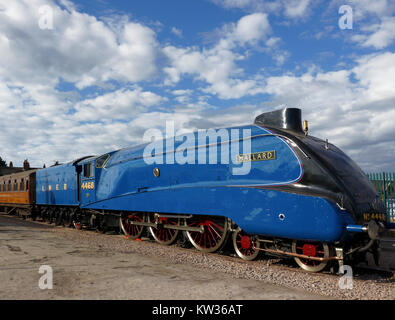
x,y
2,163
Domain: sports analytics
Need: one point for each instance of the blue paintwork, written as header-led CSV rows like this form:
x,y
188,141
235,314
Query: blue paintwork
x,y
63,178
127,183
127,173
255,210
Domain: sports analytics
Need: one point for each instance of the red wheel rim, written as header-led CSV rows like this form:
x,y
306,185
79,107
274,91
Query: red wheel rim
x,y
132,229
212,238
310,249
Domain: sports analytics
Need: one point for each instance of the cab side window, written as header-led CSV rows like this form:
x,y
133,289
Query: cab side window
x,y
88,170
22,185
102,160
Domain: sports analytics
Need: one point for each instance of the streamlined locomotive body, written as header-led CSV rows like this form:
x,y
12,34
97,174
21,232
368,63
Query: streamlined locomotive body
x,y
269,186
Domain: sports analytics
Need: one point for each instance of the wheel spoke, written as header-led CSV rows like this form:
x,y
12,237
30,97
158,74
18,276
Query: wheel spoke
x,y
216,225
212,235
218,235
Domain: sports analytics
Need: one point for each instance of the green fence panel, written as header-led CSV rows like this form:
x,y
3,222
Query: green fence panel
x,y
384,184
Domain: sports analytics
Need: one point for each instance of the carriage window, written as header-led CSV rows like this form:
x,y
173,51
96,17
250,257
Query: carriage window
x,y
9,185
88,170
15,185
22,185
1,187
27,185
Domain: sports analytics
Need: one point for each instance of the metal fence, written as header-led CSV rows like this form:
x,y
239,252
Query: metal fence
x,y
384,183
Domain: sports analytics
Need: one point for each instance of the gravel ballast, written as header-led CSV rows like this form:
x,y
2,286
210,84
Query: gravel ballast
x,y
271,270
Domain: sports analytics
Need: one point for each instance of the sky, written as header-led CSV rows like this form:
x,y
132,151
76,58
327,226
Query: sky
x,y
88,77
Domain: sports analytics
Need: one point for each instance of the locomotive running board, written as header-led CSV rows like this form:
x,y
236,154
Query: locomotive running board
x,y
302,256
168,226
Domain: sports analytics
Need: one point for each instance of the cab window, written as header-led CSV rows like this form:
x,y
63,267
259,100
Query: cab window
x,y
22,185
88,170
102,160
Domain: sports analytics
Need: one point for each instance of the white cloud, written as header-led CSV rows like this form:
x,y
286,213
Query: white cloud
x,y
37,118
374,20
379,35
177,32
182,92
376,74
363,8
251,28
217,66
354,108
137,53
297,8
120,104
183,96
79,49
293,9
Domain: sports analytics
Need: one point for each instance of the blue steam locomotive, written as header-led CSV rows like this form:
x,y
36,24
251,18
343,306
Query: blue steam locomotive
x,y
269,187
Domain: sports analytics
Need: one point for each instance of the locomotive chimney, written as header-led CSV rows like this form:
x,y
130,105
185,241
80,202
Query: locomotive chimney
x,y
289,119
26,165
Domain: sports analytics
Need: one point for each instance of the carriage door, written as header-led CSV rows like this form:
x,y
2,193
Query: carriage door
x,y
88,193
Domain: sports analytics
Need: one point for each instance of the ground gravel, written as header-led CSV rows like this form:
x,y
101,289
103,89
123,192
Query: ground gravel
x,y
284,272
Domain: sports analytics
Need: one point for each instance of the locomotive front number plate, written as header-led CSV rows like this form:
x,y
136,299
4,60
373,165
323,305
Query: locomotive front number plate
x,y
375,216
257,156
